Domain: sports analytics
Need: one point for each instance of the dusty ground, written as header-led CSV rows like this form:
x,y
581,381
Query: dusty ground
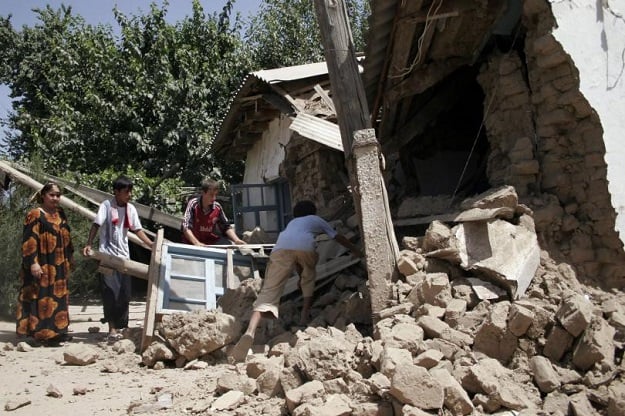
x,y
26,376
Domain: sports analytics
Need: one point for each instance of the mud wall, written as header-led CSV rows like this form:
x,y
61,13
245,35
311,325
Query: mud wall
x,y
314,172
547,141
593,34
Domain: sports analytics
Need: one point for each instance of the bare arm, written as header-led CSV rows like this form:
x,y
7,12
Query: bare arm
x,y
342,240
191,237
143,237
232,236
86,251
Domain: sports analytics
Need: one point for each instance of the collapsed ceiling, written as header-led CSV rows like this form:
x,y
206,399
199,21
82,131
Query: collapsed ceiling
x,y
414,45
420,71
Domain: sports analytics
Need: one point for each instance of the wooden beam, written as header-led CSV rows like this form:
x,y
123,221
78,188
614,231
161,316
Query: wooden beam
x,y
65,201
446,9
348,95
298,108
95,196
424,78
260,114
325,97
404,34
279,102
154,275
125,266
323,271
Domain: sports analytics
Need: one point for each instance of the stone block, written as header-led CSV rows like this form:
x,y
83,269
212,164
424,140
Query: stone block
x,y
545,376
413,385
456,398
455,309
303,393
595,345
558,343
575,314
519,319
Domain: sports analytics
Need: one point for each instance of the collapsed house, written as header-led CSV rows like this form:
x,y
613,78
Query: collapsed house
x,y
469,97
499,304
283,124
466,96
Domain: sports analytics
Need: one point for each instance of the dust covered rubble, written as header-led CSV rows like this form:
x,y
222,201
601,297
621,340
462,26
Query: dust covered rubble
x,y
460,336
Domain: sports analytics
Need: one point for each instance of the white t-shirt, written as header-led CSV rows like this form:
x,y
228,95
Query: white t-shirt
x,y
300,233
114,237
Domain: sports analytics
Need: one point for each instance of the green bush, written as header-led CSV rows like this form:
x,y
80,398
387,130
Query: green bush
x,y
12,212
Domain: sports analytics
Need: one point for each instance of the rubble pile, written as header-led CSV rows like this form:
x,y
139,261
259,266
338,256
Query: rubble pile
x,y
466,332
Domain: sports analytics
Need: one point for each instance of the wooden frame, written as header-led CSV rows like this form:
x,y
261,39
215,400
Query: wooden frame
x,y
184,277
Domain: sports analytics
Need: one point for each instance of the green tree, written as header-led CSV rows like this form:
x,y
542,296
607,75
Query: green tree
x,y
151,99
286,32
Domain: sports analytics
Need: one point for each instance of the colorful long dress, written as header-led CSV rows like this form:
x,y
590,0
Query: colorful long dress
x,y
43,304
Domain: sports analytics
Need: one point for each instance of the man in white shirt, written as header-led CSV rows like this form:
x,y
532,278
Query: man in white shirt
x,y
114,218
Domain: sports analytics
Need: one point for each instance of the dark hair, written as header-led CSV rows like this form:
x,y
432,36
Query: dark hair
x,y
122,182
46,188
209,185
303,208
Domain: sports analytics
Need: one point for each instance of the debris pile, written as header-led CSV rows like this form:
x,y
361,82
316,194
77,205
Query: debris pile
x,y
470,329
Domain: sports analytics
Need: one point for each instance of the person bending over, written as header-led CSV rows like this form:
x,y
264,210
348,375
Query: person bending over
x,y
295,249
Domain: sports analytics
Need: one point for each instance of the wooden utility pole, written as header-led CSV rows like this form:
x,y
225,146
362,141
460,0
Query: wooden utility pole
x,y
361,150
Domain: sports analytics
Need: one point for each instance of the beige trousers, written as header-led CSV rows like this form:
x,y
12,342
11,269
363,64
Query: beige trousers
x,y
279,270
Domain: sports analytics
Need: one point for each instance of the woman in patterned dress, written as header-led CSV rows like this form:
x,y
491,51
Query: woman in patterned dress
x,y
47,251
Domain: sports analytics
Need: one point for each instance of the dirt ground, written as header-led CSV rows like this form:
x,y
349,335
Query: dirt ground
x,y
26,376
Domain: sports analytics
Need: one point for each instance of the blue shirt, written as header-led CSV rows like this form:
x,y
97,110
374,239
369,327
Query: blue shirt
x,y
300,233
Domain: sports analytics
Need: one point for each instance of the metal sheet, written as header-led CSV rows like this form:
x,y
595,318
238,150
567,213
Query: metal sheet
x,y
321,131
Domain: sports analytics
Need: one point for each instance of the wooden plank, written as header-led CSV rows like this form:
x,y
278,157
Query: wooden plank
x,y
230,282
323,270
125,266
325,97
65,201
402,40
424,78
95,196
154,273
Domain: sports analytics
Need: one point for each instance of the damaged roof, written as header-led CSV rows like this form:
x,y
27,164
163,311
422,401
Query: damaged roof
x,y
413,45
263,96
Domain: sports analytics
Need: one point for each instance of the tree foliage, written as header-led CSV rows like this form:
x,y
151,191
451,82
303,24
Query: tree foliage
x,y
151,99
286,32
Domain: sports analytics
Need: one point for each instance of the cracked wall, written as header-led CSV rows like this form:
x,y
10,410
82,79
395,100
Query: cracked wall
x,y
548,141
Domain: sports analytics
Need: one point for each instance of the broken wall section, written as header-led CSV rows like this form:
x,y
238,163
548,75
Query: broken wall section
x,y
547,141
317,173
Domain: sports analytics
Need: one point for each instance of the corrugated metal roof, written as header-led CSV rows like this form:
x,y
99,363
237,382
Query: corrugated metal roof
x,y
291,73
319,130
257,83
